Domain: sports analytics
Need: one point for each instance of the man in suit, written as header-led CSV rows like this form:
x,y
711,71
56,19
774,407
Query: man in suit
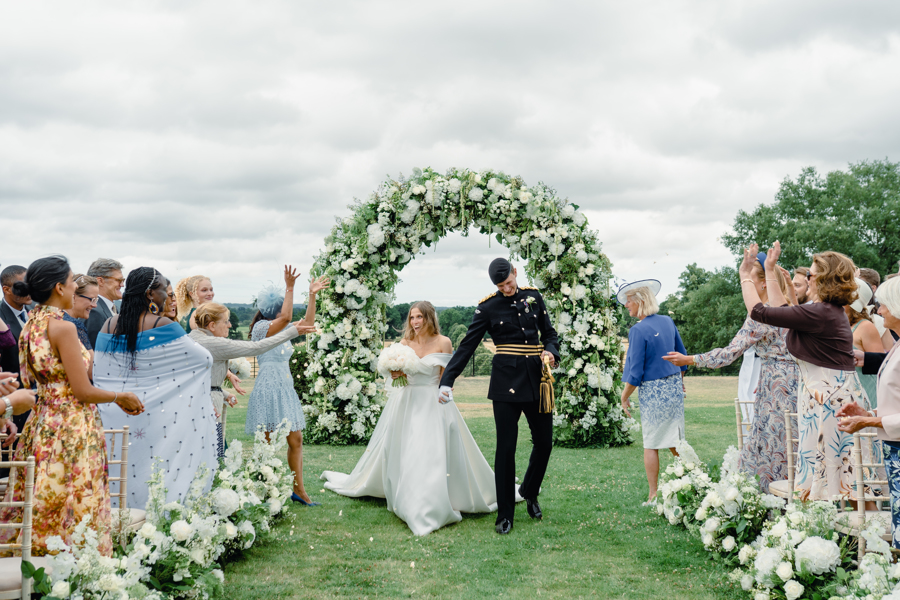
x,y
520,327
14,312
110,280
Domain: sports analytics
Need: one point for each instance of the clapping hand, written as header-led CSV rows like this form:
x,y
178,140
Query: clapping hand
x,y
852,410
303,329
772,257
318,284
746,268
290,276
853,417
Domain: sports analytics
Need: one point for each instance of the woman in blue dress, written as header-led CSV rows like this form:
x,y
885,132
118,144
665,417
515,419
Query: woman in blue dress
x,y
274,398
660,383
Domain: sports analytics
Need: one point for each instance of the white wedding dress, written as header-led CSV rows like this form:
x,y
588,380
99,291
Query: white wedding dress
x,y
422,458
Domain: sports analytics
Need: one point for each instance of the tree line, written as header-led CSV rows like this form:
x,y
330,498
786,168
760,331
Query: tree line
x,y
852,211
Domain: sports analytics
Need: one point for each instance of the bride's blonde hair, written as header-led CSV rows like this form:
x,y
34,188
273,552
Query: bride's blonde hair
x,y
431,320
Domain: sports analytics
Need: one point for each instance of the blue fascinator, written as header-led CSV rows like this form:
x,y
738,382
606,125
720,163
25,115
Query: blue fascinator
x,y
761,258
269,301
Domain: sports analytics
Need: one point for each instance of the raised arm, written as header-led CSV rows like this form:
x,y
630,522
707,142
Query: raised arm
x,y
225,349
776,297
287,307
315,286
749,334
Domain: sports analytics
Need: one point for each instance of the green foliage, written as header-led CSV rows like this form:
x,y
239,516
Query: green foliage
x,y
458,315
396,317
708,311
302,384
233,333
456,334
853,212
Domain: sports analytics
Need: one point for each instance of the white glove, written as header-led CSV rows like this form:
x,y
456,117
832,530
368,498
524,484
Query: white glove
x,y
446,394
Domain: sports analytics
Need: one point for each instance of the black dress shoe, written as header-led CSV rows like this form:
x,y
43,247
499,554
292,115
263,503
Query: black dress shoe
x,y
534,509
504,526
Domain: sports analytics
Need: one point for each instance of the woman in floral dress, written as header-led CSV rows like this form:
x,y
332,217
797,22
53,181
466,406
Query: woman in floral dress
x,y
764,454
821,341
64,433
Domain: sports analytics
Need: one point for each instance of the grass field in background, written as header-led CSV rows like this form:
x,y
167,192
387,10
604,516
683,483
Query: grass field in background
x,y
595,540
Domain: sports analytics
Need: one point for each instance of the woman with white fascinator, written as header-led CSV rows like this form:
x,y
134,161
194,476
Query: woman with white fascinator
x,y
274,398
661,383
865,335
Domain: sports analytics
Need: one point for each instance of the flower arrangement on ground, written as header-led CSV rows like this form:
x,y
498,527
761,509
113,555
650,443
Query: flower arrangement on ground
x,y
683,486
176,552
797,554
734,510
366,251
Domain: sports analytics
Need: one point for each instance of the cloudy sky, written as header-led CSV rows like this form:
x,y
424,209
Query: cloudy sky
x,y
224,137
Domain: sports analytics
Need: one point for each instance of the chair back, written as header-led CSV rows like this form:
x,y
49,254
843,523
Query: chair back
x,y
743,421
866,478
117,455
25,525
792,450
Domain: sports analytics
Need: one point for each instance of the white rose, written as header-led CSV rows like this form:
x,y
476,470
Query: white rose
x,y
762,595
796,518
198,556
780,529
731,494
60,589
181,530
274,506
785,571
147,530
707,539
793,590
230,530
701,514
745,554
728,544
712,524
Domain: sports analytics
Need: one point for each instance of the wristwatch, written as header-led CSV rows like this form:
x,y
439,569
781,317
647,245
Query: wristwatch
x,y
9,408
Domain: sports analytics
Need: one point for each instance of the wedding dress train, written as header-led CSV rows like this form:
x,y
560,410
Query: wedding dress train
x,y
422,458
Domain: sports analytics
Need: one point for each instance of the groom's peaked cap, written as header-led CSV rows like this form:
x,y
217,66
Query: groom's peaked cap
x,y
499,270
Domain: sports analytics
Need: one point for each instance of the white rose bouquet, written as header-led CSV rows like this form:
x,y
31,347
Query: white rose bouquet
x,y
397,357
682,486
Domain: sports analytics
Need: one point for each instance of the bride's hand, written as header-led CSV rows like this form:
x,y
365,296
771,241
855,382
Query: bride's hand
x,y
396,374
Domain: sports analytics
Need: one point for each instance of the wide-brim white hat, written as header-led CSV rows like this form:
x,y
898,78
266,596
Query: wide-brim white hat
x,y
622,294
865,294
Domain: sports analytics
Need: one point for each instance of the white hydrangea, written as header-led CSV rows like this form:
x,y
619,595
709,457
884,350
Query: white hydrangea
x,y
181,530
817,556
225,501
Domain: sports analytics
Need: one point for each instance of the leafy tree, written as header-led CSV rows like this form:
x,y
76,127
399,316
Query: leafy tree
x,y
233,333
457,333
458,315
708,310
396,318
853,212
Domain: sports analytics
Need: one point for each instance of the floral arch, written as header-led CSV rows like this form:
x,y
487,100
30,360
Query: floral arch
x,y
366,251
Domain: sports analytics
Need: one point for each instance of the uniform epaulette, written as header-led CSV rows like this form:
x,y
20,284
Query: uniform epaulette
x,y
486,298
528,287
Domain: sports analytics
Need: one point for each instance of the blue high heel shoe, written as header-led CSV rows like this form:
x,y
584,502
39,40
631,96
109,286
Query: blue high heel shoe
x,y
297,498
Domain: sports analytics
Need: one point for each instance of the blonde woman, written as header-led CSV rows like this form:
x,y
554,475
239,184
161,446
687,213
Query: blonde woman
x,y
213,322
422,458
87,295
765,453
190,293
661,383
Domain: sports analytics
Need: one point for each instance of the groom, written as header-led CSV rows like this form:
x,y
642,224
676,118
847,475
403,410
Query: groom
x,y
520,327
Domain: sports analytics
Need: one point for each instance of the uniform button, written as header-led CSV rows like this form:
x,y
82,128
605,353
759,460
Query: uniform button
x,y
523,329
520,314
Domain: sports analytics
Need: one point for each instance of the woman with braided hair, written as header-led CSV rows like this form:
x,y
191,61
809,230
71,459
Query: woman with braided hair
x,y
142,351
190,293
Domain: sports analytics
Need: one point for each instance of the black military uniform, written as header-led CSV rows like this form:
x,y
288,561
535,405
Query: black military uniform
x,y
520,328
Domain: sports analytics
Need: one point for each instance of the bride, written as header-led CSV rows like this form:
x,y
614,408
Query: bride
x,y
422,458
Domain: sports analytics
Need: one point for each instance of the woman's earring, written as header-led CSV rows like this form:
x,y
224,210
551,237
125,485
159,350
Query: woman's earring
x,y
154,309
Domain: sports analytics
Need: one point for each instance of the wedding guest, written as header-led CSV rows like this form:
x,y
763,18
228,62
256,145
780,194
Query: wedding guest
x,y
865,336
14,313
886,418
170,310
273,397
660,383
871,277
143,351
213,323
764,454
820,340
65,434
108,273
86,298
190,293
801,284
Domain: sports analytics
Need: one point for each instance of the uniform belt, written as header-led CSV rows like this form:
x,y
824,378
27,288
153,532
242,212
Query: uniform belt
x,y
519,350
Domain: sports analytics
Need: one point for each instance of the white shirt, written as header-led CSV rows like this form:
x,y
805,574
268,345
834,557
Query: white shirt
x,y
108,302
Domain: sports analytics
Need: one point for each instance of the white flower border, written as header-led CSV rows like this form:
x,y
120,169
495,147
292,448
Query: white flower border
x,y
366,251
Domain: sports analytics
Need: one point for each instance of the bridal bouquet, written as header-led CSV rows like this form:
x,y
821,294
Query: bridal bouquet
x,y
397,357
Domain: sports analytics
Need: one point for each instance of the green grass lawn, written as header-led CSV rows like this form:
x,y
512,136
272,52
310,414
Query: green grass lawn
x,y
595,540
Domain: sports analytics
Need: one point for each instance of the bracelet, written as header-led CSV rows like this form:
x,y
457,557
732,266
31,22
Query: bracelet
x,y
747,280
289,290
116,399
